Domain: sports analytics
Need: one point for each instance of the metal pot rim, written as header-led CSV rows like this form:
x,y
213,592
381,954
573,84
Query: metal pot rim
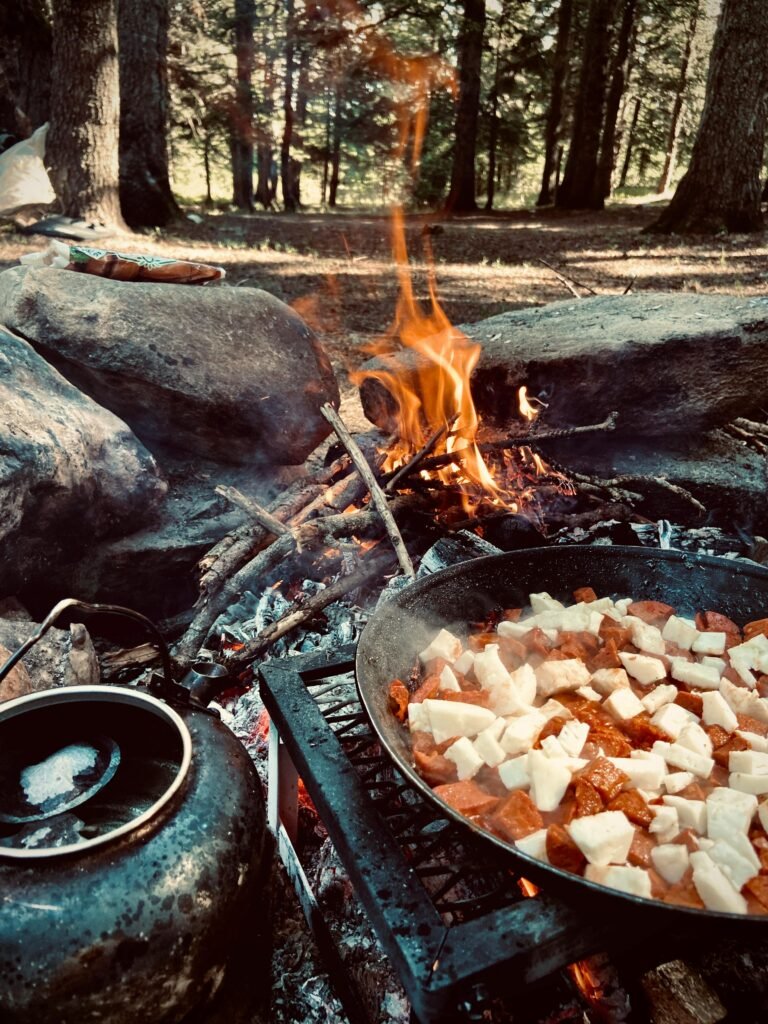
x,y
106,695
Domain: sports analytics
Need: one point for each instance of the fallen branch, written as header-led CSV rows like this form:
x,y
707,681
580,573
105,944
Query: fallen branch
x,y
747,436
568,281
254,510
628,479
368,571
761,429
377,495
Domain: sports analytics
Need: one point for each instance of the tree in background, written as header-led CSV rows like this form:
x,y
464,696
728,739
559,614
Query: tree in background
x,y
85,110
673,132
146,199
721,189
619,75
461,197
555,109
241,130
577,190
25,61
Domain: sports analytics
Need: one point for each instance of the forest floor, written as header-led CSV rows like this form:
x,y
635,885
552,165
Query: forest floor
x,y
337,269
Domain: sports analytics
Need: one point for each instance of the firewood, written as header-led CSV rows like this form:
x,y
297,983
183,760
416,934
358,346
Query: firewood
x,y
113,662
420,455
345,492
678,994
747,436
254,510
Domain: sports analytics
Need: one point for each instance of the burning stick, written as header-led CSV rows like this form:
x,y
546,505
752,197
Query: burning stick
x,y
255,648
420,455
377,495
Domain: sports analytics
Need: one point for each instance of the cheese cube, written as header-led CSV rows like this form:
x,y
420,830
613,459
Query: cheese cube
x,y
742,668
589,694
535,845
552,747
595,622
488,747
729,812
658,697
689,760
643,668
467,760
680,632
646,637
717,663
603,838
554,709
464,662
694,737
514,629
715,890
709,643
514,773
524,681
704,677
665,824
558,676
444,645
543,602
521,733
448,680
751,761
672,719
578,617
755,741
606,680
450,718
676,781
736,859
622,604
573,736
762,813
490,670
645,773
623,704
418,718
716,711
549,780
671,861
744,701
690,813
746,783
635,881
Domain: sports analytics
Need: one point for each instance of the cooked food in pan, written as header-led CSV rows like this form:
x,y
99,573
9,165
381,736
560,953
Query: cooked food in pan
x,y
614,739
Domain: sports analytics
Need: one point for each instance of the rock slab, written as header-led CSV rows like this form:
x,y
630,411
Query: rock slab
x,y
227,373
70,471
664,362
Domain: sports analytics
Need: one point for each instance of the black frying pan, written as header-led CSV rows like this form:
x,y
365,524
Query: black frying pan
x,y
468,592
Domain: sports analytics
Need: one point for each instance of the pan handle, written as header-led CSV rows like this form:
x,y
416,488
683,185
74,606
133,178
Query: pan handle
x,y
107,609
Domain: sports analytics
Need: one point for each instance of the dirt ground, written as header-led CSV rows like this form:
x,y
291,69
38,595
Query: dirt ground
x,y
338,271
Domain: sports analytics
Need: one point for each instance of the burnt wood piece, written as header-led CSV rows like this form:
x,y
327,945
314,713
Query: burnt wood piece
x,y
678,994
666,362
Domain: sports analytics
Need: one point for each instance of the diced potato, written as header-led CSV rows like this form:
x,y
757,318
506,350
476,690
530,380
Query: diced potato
x,y
448,680
635,881
715,890
521,733
559,676
704,677
746,783
744,701
588,693
665,824
742,667
524,681
644,669
755,741
444,645
490,671
717,663
573,736
762,813
658,697
717,711
694,737
552,747
535,845
603,838
464,662
488,747
737,860
646,638
554,709
709,643
543,602
689,760
467,760
680,632
676,781
514,773
671,861
623,704
690,813
454,718
516,630
672,719
645,773
729,812
418,718
606,680
751,761
550,778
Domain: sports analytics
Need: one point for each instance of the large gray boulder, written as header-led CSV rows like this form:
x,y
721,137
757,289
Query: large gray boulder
x,y
228,373
70,471
664,362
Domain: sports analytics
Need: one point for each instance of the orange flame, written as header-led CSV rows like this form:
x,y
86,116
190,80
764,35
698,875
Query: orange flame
x,y
586,980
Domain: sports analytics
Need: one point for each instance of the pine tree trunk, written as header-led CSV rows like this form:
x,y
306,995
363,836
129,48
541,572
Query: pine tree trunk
x,y
25,66
145,189
333,187
577,189
286,163
555,112
241,112
82,150
721,189
619,75
630,142
461,197
673,132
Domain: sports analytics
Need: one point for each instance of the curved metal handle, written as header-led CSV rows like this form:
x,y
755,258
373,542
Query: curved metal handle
x,y
107,609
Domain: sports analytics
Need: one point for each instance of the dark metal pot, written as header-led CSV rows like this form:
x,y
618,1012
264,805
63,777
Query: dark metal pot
x,y
154,908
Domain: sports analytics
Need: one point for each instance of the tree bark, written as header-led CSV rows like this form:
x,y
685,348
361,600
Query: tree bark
x,y
555,112
85,111
286,164
333,186
630,142
146,199
577,189
241,113
721,189
607,159
461,197
673,131
25,66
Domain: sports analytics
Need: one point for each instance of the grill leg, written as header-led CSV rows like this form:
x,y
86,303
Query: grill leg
x,y
283,789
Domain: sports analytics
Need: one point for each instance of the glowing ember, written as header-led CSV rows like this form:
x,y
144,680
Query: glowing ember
x,y
527,888
586,980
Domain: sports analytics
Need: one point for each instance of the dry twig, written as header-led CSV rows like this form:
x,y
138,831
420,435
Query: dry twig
x,y
569,281
254,509
414,462
377,495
